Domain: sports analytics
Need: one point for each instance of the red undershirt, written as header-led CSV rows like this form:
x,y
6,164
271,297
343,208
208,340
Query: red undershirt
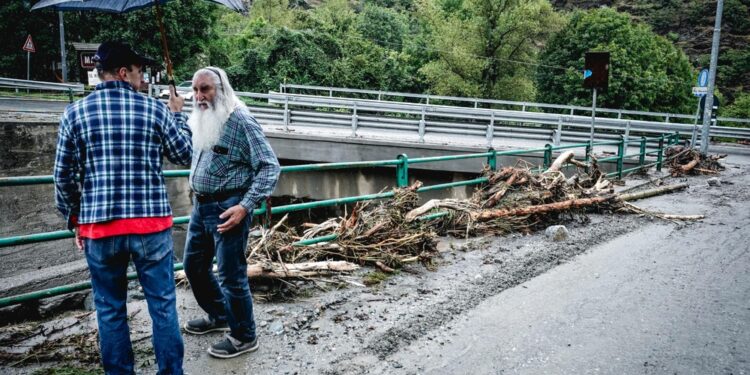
x,y
119,227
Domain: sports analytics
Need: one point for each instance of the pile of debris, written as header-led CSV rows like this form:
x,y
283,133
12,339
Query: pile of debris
x,y
517,200
687,161
70,339
394,232
375,234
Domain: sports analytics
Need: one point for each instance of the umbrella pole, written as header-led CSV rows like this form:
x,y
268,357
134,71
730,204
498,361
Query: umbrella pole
x,y
164,46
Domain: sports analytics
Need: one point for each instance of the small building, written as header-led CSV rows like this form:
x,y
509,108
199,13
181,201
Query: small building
x,y
85,62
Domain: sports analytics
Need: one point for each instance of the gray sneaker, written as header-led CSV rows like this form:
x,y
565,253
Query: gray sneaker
x,y
202,326
231,347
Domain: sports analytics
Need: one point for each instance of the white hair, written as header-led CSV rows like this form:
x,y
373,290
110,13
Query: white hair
x,y
224,92
207,126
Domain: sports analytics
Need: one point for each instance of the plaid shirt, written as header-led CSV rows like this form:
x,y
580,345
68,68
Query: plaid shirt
x,y
109,155
244,162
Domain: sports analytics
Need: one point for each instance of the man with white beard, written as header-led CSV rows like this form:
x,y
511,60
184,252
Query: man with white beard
x,y
233,171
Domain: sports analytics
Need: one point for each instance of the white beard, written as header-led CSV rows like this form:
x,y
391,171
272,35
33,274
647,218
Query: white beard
x,y
207,126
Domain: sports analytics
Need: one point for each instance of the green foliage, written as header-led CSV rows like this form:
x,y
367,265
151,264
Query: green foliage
x,y
188,24
486,48
740,108
383,26
285,55
647,72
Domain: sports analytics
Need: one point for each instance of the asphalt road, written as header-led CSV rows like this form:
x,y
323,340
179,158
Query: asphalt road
x,y
32,105
664,299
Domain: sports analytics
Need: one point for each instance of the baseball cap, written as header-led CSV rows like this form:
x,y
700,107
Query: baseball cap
x,y
114,54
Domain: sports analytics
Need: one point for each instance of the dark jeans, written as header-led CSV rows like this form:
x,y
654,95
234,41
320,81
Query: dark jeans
x,y
227,299
108,261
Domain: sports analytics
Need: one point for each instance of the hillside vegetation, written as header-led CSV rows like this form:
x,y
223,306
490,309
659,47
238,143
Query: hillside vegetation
x,y
503,49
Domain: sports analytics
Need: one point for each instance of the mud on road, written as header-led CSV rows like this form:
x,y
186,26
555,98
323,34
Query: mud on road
x,y
344,328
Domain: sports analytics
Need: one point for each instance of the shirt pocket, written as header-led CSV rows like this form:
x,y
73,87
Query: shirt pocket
x,y
219,165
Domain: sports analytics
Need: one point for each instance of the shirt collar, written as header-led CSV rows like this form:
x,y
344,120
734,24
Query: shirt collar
x,y
114,85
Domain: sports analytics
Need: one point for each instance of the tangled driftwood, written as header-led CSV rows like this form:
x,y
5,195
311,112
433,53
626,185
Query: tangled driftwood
x,y
682,160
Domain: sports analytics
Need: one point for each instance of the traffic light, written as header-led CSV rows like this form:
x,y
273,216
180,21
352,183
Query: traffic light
x,y
596,70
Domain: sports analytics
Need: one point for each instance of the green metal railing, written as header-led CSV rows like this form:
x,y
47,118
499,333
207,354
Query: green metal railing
x,y
402,179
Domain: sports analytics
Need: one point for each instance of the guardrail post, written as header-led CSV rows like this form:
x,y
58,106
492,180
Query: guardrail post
x,y
589,148
659,155
402,171
70,94
491,130
355,119
286,114
627,134
619,115
547,155
523,107
265,223
421,127
642,154
476,104
558,133
492,159
620,156
572,111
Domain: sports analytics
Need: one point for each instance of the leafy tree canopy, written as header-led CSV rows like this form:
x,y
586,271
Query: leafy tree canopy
x,y
647,72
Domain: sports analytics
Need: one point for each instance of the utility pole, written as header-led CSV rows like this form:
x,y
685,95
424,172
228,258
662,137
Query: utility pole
x,y
62,47
711,79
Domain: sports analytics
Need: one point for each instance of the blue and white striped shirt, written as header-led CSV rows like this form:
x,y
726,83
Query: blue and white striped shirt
x,y
109,155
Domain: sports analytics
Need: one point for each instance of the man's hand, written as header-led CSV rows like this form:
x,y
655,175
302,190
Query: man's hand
x,y
234,216
79,240
176,102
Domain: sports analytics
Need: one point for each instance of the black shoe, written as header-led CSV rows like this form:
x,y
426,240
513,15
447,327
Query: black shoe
x,y
231,347
202,326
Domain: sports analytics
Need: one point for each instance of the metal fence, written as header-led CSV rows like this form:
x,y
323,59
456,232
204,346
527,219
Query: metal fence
x,y
421,120
503,104
401,165
71,89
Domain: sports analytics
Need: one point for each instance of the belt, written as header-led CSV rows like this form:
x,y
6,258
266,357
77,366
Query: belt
x,y
216,197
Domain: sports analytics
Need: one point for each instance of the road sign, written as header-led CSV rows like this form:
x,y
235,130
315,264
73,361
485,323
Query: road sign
x,y
700,90
598,64
28,46
703,78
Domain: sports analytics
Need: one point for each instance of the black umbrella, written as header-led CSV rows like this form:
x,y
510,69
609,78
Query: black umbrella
x,y
123,6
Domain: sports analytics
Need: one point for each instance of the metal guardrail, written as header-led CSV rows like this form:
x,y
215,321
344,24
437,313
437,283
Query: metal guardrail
x,y
524,106
76,88
308,110
290,110
401,165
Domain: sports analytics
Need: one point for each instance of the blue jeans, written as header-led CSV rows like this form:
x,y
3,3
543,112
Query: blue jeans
x,y
108,261
227,299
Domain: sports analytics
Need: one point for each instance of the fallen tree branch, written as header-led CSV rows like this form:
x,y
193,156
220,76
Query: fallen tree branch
x,y
560,161
652,192
540,209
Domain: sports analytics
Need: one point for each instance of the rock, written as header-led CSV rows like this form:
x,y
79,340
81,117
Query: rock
x,y
277,327
557,233
714,181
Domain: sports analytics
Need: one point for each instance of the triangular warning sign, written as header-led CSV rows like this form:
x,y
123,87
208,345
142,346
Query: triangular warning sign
x,y
28,46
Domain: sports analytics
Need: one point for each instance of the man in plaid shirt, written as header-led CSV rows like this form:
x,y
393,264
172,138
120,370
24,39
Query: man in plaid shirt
x,y
110,187
233,171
